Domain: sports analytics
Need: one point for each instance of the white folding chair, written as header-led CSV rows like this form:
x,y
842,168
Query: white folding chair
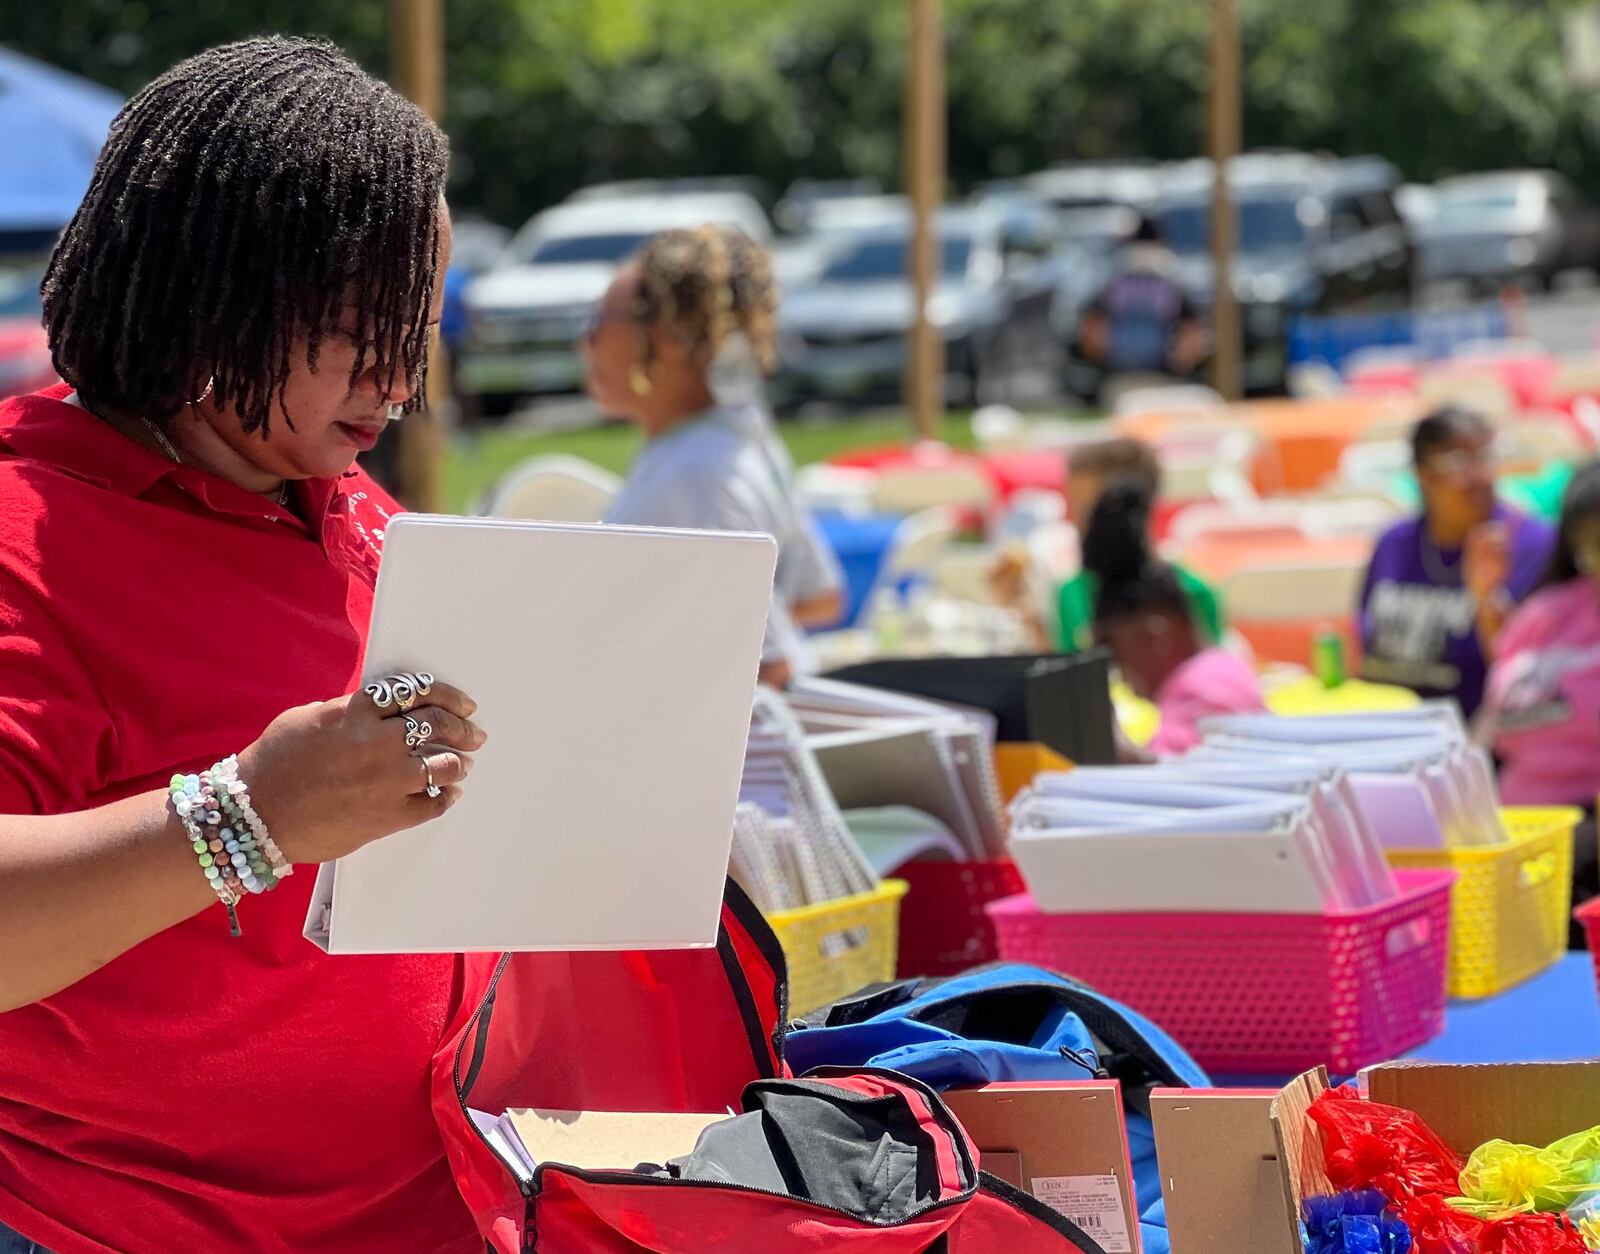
x,y
1355,514
1207,463
1062,435
847,489
920,542
912,489
1374,464
1530,443
1577,376
554,488
1179,398
1208,520
1485,393
999,428
1290,593
1315,379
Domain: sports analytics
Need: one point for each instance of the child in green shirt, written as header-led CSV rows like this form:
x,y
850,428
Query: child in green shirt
x,y
1090,469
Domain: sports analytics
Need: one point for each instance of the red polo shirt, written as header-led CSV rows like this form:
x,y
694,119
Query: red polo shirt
x,y
199,1092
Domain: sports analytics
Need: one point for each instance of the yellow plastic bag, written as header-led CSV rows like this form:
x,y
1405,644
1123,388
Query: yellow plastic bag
x,y
1502,1179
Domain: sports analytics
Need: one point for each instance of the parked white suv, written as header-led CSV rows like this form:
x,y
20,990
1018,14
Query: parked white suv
x,y
525,316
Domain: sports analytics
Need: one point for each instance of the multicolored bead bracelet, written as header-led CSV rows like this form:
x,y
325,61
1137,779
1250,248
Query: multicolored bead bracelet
x,y
235,799
231,842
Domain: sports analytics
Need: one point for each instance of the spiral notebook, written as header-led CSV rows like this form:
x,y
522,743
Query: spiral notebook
x,y
614,670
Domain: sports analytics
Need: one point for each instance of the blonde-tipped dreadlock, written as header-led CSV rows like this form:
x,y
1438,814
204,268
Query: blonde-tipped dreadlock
x,y
708,283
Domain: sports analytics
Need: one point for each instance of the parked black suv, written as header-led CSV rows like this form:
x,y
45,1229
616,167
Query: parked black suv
x,y
1315,236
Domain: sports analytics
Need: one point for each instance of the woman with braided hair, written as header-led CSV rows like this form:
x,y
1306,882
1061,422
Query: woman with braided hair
x,y
650,350
238,308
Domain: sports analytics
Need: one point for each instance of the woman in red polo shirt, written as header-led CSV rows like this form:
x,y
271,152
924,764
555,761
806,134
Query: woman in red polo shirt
x,y
240,304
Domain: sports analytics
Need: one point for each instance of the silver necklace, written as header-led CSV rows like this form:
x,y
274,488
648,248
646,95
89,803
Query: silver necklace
x,y
171,451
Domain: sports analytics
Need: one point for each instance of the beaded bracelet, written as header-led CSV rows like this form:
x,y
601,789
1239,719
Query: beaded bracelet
x,y
235,851
187,803
235,798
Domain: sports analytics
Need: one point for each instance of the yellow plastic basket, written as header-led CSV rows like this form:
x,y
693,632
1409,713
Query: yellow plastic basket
x,y
837,947
1509,913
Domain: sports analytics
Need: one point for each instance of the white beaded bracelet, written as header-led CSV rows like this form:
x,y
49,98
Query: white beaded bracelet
x,y
226,775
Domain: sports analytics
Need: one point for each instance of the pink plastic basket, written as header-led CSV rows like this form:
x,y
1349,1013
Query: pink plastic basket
x,y
1253,993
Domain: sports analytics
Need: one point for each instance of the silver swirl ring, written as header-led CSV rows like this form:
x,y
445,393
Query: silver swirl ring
x,y
417,733
381,692
405,691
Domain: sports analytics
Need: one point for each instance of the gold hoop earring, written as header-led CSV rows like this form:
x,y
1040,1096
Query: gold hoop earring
x,y
640,380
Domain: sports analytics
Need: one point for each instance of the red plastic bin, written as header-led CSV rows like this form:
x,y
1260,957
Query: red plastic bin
x,y
1588,914
944,927
1253,993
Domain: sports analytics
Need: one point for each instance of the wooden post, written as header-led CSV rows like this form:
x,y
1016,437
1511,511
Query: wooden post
x,y
925,178
1225,133
416,48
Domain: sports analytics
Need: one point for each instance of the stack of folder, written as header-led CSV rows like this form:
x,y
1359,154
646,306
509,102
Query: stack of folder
x,y
915,777
791,844
1269,814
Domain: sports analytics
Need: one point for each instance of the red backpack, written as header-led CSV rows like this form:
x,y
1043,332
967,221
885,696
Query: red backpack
x,y
701,1030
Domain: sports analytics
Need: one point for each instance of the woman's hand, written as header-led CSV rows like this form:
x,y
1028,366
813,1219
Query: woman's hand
x,y
331,777
1486,562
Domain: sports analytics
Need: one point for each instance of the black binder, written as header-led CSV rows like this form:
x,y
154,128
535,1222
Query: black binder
x,y
1062,701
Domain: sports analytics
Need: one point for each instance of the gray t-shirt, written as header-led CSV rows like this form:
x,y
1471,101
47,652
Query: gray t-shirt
x,y
728,471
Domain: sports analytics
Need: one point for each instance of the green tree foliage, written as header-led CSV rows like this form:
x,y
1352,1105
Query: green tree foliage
x,y
545,95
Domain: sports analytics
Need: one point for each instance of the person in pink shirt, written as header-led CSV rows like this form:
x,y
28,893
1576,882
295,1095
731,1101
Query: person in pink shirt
x,y
1142,616
1543,708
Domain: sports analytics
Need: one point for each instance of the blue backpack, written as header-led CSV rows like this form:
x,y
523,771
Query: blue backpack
x,y
1009,1022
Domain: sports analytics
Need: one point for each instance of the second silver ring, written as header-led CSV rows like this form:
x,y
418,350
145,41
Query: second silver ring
x,y
418,733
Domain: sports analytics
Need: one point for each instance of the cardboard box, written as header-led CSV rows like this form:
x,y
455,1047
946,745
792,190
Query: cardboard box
x,y
1066,1144
1467,1105
1220,1175
598,1140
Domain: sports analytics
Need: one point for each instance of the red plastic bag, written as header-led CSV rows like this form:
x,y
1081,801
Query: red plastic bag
x,y
1532,1234
1367,1145
1439,1228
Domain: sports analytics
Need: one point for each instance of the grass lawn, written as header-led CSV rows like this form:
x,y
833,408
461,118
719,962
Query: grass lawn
x,y
473,463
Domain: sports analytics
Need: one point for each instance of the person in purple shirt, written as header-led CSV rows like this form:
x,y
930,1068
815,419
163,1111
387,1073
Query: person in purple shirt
x,y
1440,587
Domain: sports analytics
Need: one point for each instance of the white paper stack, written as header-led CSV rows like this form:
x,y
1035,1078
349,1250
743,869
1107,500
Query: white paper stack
x,y
884,749
791,844
1257,853
1269,814
1417,777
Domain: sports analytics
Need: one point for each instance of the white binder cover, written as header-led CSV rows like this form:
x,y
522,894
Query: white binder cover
x,y
614,670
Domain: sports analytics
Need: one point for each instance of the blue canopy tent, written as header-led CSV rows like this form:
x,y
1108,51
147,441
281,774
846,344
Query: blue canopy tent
x,y
54,124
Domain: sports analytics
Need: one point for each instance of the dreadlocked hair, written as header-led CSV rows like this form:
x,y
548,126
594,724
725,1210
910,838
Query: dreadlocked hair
x,y
242,202
709,283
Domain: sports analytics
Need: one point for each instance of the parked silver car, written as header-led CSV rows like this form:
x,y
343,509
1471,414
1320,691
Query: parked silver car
x,y
844,331
524,317
1511,226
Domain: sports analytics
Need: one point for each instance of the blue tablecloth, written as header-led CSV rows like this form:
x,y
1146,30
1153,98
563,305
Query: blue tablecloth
x,y
1554,1017
861,541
